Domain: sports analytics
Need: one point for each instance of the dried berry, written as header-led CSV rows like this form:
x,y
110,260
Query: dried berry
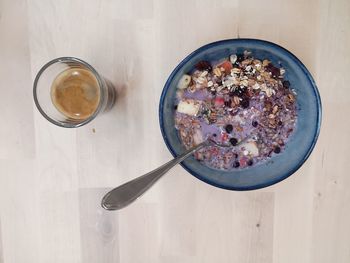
x,y
219,102
250,162
255,124
228,128
233,141
236,164
175,107
203,65
286,84
227,66
224,136
248,93
277,149
275,72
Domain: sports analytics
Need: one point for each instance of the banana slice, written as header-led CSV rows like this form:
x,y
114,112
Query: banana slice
x,y
184,82
251,147
197,137
189,107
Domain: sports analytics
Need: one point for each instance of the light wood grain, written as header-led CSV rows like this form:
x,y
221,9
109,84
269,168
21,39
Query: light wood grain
x,y
52,179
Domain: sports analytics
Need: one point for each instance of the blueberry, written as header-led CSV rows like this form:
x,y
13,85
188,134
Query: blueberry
x,y
214,134
277,149
250,162
286,84
240,57
239,92
229,128
203,65
233,141
255,124
245,103
236,164
175,107
205,112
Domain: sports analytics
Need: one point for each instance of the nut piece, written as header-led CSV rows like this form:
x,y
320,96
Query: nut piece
x,y
192,88
189,107
256,86
184,82
275,109
236,70
256,61
233,59
251,82
204,73
291,97
269,92
201,80
266,62
236,100
246,61
217,72
244,83
228,83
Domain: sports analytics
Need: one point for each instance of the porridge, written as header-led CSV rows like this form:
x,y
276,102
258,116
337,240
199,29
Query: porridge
x,y
241,101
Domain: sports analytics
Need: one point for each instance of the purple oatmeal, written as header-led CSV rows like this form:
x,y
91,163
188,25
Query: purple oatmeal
x,y
241,101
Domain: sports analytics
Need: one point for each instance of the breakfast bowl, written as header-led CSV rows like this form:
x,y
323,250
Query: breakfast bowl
x,y
300,143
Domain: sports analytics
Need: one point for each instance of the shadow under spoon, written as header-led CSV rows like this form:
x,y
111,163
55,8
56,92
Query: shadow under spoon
x,y
128,192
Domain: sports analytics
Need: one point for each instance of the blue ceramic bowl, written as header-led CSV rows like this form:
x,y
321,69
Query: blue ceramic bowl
x,y
301,142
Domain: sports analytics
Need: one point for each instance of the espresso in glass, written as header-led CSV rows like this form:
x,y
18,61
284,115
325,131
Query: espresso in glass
x,y
75,93
70,93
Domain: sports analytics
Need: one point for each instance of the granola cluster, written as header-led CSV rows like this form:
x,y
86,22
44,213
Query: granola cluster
x,y
239,100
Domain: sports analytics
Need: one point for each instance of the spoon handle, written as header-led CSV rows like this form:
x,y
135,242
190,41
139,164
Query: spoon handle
x,y
125,194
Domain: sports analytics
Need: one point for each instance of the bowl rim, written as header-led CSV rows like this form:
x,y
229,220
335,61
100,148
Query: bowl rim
x,y
260,41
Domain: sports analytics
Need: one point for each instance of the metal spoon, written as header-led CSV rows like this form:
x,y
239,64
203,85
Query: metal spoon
x,y
127,193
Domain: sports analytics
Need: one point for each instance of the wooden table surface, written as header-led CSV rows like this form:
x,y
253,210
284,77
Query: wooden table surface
x,y
52,179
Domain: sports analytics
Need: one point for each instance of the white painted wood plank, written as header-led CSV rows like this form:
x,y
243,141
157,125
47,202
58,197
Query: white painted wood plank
x,y
99,229
17,129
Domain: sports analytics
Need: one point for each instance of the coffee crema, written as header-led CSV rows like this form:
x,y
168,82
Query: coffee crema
x,y
75,93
